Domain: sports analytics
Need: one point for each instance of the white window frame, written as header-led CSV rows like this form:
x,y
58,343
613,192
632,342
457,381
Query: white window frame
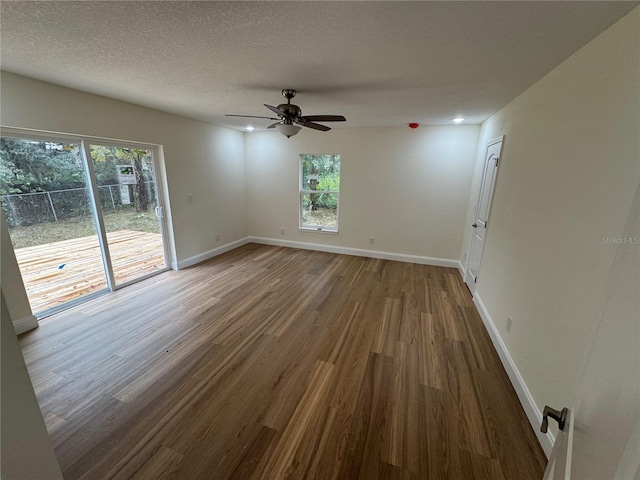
x,y
317,228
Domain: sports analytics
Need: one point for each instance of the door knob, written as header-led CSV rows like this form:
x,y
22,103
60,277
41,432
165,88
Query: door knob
x,y
558,416
474,225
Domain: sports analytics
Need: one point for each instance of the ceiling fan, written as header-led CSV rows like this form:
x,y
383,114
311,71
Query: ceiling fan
x,y
289,114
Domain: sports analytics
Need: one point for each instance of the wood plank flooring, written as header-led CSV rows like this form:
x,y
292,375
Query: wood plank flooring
x,y
133,254
275,363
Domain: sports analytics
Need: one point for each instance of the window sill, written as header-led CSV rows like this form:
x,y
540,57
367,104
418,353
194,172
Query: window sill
x,y
318,230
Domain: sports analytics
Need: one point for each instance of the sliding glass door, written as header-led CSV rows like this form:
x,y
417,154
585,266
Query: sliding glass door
x,y
83,217
130,209
47,207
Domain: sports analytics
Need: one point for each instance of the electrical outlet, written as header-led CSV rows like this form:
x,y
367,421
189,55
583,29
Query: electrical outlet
x,y
189,198
217,237
371,240
509,324
282,231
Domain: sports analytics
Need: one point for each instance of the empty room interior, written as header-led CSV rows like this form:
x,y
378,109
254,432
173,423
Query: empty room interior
x,y
320,240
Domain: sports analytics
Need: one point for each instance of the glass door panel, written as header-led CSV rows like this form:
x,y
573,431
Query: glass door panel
x,y
46,203
128,198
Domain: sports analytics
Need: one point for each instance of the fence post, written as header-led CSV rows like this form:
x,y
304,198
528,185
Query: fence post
x,y
113,204
55,217
16,220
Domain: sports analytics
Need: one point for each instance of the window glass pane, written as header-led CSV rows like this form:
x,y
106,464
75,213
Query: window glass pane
x,y
127,189
320,172
320,210
44,194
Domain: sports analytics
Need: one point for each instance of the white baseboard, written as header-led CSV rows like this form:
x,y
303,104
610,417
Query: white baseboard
x,y
524,395
461,269
359,252
201,257
25,324
399,257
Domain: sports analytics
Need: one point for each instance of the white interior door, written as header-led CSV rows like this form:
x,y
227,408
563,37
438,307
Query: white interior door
x,y
605,439
559,465
483,206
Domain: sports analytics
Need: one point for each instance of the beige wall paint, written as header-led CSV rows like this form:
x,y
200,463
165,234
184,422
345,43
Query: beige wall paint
x,y
200,159
407,188
570,164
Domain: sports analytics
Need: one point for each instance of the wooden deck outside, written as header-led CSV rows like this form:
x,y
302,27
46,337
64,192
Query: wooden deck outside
x,y
55,273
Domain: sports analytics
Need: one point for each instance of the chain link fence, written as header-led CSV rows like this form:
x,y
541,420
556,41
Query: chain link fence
x,y
23,209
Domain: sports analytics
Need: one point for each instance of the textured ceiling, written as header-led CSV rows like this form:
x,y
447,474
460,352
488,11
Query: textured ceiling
x,y
377,63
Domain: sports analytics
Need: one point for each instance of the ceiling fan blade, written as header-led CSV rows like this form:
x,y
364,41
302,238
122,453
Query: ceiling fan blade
x,y
324,118
275,110
316,126
273,125
251,116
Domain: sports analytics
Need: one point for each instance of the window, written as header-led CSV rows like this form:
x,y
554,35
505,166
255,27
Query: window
x,y
319,192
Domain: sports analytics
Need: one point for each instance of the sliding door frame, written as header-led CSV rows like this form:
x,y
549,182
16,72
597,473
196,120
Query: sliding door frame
x,y
97,214
86,152
84,143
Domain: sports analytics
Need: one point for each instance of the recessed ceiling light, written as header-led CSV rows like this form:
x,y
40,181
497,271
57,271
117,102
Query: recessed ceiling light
x,y
457,120
250,128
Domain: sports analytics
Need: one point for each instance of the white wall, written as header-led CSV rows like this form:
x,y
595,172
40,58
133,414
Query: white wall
x,y
407,188
606,441
200,159
570,164
16,295
27,452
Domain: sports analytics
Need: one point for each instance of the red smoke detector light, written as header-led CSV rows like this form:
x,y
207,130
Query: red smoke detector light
x,y
414,125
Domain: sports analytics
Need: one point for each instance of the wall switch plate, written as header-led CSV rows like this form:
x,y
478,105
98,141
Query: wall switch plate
x,y
509,324
189,198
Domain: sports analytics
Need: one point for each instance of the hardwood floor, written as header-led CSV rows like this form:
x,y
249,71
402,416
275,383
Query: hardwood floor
x,y
269,363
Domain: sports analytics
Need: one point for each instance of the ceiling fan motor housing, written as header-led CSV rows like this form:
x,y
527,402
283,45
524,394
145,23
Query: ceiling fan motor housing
x,y
290,110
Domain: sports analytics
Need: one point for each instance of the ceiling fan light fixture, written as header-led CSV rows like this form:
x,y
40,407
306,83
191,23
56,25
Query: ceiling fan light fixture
x,y
288,130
